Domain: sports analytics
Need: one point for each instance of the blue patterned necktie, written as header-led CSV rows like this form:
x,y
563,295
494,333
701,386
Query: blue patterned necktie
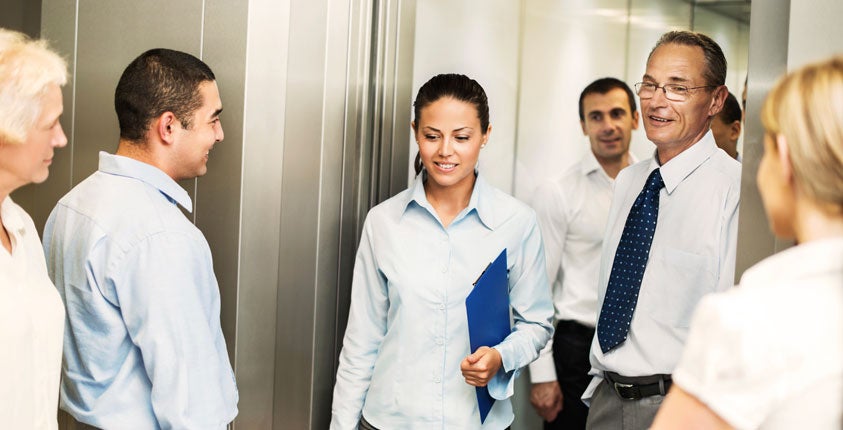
x,y
628,267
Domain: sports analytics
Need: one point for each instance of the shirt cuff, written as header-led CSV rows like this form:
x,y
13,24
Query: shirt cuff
x,y
543,369
502,385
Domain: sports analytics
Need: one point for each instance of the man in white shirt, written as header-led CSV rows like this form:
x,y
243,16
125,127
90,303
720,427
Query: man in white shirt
x,y
687,219
572,211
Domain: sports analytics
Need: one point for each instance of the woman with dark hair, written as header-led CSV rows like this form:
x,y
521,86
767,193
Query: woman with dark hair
x,y
406,361
769,354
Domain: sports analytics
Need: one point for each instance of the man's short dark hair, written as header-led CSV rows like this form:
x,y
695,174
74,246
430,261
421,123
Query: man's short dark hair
x,y
603,86
159,80
715,73
731,110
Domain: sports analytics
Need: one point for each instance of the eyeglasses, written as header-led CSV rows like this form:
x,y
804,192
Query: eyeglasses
x,y
673,92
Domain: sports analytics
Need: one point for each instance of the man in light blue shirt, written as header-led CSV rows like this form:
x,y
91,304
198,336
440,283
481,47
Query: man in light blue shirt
x,y
143,345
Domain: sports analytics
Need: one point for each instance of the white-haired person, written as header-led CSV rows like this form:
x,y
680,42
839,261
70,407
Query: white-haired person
x,y
769,354
31,311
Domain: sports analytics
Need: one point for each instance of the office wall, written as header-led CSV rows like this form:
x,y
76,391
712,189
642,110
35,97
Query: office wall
x,y
566,45
480,39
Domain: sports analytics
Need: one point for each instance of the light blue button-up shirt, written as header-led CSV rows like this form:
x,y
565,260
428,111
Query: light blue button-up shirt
x,y
143,347
407,329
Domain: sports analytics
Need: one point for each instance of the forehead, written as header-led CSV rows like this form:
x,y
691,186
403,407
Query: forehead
x,y
51,103
448,109
615,98
674,62
210,95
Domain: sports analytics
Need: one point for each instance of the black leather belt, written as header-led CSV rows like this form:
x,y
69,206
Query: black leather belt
x,y
639,387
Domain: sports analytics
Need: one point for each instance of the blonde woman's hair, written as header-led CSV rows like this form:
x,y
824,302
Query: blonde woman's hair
x,y
27,68
806,107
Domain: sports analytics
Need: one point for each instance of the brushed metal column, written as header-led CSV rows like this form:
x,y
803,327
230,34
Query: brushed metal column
x,y
337,141
768,41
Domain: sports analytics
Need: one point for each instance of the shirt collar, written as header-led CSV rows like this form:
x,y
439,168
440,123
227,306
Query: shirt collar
x,y
589,164
151,175
11,218
479,201
679,167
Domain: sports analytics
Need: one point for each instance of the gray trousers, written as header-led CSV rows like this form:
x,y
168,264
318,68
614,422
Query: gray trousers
x,y
609,411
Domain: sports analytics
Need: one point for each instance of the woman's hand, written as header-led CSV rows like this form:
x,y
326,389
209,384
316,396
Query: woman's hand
x,y
479,368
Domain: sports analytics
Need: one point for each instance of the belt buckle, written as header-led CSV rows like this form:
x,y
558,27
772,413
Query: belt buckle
x,y
633,395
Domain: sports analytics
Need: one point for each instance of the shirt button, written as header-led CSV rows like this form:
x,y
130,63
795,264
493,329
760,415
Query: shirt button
x,y
444,268
439,341
441,306
437,380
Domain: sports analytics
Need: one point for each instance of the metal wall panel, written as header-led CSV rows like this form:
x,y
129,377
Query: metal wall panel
x,y
217,195
768,41
783,37
300,190
338,153
263,145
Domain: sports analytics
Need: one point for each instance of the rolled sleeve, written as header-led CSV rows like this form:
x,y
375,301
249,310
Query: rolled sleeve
x,y
544,368
532,312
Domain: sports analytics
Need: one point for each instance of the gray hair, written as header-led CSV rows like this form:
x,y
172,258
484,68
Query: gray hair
x,y
27,69
715,73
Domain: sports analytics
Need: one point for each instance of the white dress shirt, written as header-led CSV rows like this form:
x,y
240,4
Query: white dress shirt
x,y
407,327
692,254
572,210
31,328
769,354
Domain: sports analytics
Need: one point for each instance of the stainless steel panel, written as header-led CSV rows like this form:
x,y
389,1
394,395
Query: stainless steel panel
x,y
300,198
401,74
21,15
356,162
216,196
339,19
262,154
375,151
377,139
334,148
768,41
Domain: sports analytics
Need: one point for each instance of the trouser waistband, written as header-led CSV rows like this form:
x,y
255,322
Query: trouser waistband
x,y
638,387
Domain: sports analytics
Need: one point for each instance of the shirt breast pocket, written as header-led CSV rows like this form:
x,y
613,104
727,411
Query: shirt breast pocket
x,y
684,279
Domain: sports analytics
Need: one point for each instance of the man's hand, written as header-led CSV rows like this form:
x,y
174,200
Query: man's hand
x,y
546,398
479,368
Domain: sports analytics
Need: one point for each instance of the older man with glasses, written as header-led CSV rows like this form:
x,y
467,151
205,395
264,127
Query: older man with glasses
x,y
670,237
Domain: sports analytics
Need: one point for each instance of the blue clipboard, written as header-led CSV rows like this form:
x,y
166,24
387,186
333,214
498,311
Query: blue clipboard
x,y
487,308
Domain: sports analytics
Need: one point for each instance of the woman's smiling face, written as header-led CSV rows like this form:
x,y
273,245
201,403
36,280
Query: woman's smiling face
x,y
449,136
